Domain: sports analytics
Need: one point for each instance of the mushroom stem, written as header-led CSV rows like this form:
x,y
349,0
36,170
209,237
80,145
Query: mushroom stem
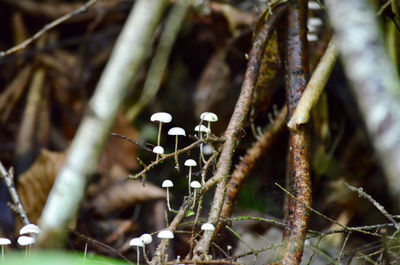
x,y
137,254
145,255
190,180
2,254
176,154
159,138
84,253
194,199
169,207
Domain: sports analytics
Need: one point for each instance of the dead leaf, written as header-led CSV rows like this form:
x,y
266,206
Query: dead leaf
x,y
124,195
35,184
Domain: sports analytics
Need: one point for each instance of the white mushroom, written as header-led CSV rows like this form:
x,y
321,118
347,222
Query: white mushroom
x,y
208,227
147,239
27,242
159,150
137,242
3,242
29,229
209,117
313,5
311,37
176,131
190,163
165,234
195,185
201,128
161,117
168,184
314,22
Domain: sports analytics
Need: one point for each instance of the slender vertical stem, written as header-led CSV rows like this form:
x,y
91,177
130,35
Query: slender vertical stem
x,y
84,253
137,255
2,254
159,138
190,180
169,207
194,199
176,154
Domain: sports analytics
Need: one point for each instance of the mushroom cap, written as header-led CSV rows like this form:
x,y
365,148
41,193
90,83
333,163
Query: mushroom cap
x,y
29,228
209,116
208,227
190,163
146,238
26,240
4,241
313,5
312,37
158,150
314,21
167,183
195,184
137,241
165,234
207,150
161,117
176,131
202,128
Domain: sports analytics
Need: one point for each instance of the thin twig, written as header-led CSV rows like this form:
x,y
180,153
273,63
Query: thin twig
x,y
131,141
377,205
46,28
97,243
8,178
165,157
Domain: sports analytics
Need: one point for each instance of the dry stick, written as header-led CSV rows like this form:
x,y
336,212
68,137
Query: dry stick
x,y
244,168
160,59
131,141
8,178
378,206
297,69
375,83
314,87
235,125
220,261
128,54
154,163
46,28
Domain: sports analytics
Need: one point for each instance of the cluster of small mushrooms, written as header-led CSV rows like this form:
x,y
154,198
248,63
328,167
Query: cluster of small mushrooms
x,y
163,117
26,239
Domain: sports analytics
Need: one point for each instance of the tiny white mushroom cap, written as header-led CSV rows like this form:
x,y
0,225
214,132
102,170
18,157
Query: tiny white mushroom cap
x,y
195,184
146,238
202,128
26,240
161,117
165,234
207,150
312,37
209,116
314,21
208,227
177,131
29,228
158,150
190,163
313,5
167,183
137,241
4,241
